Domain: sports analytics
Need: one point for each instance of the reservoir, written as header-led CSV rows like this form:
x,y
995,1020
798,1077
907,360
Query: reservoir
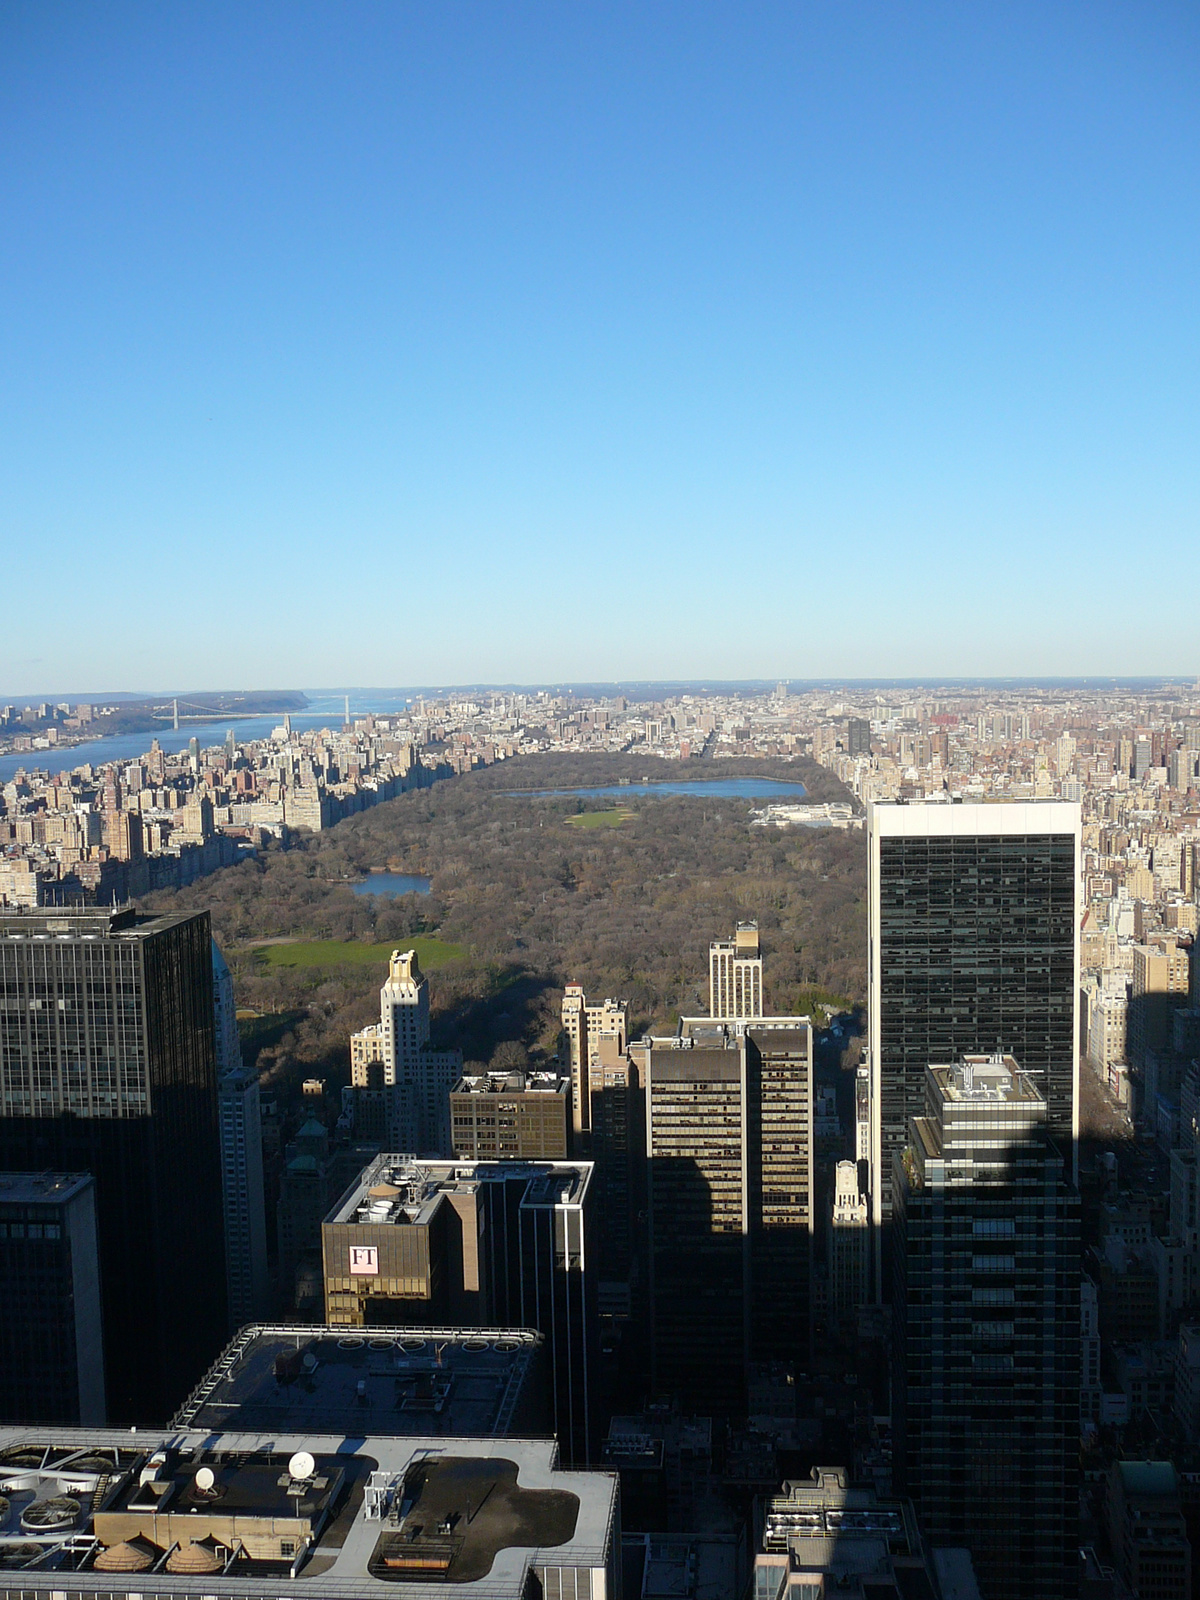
x,y
716,788
390,884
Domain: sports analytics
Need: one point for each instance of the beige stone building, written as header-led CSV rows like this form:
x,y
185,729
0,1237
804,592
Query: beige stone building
x,y
735,987
595,1039
403,1085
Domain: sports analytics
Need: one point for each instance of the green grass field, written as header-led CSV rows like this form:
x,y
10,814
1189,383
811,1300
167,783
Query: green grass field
x,y
601,819
431,953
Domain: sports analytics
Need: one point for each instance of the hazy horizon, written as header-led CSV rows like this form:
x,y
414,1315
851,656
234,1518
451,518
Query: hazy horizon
x,y
713,686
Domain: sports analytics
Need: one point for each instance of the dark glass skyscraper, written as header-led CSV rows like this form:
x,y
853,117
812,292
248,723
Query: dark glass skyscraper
x,y
985,1313
51,1328
107,1066
974,945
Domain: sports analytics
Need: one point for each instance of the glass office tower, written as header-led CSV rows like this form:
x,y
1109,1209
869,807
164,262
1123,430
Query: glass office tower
x,y
107,1066
974,946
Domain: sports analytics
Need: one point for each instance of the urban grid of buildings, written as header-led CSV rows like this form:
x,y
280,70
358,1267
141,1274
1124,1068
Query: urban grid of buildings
x,y
713,1310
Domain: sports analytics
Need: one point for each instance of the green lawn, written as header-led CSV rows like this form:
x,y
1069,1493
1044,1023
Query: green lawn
x,y
601,819
431,953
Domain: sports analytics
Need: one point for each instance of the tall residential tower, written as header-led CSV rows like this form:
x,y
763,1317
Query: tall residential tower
x,y
399,1087
735,974
595,1037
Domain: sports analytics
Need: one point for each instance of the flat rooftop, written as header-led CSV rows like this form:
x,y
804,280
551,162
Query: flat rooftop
x,y
42,1188
984,1078
193,1512
512,1083
60,922
400,1190
733,1028
394,1381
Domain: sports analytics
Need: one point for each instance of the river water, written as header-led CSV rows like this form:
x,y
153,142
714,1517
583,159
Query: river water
x,y
323,713
327,712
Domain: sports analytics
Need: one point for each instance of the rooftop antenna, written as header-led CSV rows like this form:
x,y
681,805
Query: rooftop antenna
x,y
347,721
175,712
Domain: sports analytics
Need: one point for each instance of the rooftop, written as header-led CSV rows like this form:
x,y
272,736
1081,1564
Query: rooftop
x,y
1150,1480
827,1509
512,1083
193,1512
399,1190
42,1188
84,922
790,1031
983,1078
394,1381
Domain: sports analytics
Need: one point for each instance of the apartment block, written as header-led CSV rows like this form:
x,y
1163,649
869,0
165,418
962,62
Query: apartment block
x,y
511,1116
595,1038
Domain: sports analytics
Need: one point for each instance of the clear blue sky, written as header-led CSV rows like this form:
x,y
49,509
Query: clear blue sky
x,y
419,342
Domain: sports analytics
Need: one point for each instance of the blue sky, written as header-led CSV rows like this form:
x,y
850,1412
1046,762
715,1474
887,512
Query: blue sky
x,y
383,344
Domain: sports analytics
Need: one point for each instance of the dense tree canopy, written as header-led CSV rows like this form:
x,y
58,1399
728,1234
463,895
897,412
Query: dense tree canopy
x,y
537,900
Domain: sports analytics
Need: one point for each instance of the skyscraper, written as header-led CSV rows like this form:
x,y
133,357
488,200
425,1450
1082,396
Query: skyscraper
x,y
985,1314
246,1283
403,1086
735,974
595,1037
847,1241
858,737
974,945
728,1130
107,1066
52,1329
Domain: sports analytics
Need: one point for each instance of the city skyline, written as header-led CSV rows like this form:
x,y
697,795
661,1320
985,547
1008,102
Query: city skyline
x,y
712,684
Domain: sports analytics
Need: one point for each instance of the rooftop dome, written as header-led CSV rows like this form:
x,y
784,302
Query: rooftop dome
x,y
131,1555
197,1558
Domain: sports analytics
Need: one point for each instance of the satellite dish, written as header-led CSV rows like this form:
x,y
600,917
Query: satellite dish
x,y
205,1479
302,1465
